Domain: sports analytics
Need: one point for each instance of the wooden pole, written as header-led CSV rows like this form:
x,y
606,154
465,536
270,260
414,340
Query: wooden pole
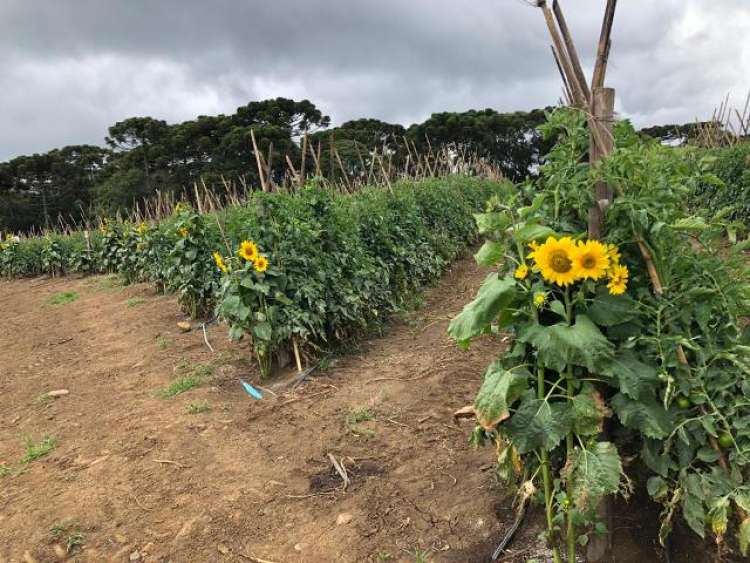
x,y
603,103
602,52
258,156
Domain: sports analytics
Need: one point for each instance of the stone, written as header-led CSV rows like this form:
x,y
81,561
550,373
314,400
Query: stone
x,y
58,393
343,518
298,547
184,326
135,556
221,548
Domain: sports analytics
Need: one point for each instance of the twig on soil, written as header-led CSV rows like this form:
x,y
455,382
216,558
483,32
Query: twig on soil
x,y
253,558
426,373
324,493
205,338
170,462
290,401
397,423
140,505
340,469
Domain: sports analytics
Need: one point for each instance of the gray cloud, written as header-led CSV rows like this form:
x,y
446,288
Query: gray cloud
x,y
70,69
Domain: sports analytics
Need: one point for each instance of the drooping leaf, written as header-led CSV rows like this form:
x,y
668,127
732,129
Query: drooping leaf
x,y
490,254
655,459
635,378
500,389
494,295
657,487
718,517
743,536
594,473
581,344
695,516
533,232
645,415
537,424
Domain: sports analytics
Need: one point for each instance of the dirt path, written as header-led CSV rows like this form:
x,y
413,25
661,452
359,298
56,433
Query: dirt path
x,y
140,478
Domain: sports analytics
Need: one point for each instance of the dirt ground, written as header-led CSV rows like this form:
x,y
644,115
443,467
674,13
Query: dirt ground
x,y
134,476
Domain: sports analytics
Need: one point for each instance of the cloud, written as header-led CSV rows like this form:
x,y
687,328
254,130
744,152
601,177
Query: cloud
x,y
70,69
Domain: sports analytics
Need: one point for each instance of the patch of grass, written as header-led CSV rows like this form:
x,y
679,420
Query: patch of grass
x,y
109,283
6,470
162,342
383,557
135,301
34,451
74,541
420,555
356,417
43,398
69,530
63,298
203,370
179,385
197,408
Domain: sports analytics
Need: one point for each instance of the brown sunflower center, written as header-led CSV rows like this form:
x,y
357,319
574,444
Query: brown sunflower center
x,y
588,262
560,262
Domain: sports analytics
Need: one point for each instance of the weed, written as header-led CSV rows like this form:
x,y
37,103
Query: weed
x,y
70,530
203,370
357,416
74,541
135,301
63,298
5,470
420,555
197,408
383,557
43,398
35,451
109,283
162,342
179,385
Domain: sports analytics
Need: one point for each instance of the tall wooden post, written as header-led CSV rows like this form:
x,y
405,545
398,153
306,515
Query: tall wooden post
x,y
602,108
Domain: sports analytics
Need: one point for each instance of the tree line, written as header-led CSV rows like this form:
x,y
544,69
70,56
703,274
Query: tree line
x,y
144,154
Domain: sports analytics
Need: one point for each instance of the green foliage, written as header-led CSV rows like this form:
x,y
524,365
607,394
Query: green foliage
x,y
63,298
34,451
501,388
594,473
180,385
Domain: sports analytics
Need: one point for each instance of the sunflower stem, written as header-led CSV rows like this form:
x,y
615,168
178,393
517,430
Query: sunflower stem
x,y
570,443
546,476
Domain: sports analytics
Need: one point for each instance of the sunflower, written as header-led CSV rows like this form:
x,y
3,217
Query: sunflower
x,y
248,250
261,264
219,262
183,232
614,255
521,272
539,299
618,280
591,259
554,259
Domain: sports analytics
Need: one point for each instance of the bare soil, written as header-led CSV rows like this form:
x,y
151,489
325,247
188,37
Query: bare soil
x,y
134,476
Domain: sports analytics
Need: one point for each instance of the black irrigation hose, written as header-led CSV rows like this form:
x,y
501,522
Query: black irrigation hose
x,y
511,532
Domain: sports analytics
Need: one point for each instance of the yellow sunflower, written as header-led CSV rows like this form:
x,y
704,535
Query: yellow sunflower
x,y
248,250
539,299
554,259
614,255
591,259
219,262
183,232
618,280
521,272
261,264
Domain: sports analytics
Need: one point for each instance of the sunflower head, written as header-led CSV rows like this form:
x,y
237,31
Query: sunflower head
x,y
219,262
248,250
591,259
618,280
539,299
521,272
555,260
183,232
261,264
614,255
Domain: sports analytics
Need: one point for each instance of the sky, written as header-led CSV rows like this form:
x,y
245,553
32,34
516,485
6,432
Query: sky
x,y
71,68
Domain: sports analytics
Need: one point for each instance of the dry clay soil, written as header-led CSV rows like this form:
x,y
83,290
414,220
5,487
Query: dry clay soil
x,y
136,477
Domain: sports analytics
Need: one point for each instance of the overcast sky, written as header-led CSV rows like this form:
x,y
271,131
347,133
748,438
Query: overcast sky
x,y
71,68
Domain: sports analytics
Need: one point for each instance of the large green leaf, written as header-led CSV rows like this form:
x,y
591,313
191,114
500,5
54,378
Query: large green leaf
x,y
743,536
492,222
533,232
558,345
611,310
494,295
594,473
490,254
635,378
537,424
501,388
645,415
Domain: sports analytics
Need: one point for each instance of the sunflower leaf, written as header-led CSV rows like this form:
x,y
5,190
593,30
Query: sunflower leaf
x,y
594,473
495,295
589,412
634,377
611,310
538,423
490,254
500,389
645,415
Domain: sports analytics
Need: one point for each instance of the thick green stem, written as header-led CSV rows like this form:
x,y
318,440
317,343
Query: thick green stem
x,y
546,474
569,443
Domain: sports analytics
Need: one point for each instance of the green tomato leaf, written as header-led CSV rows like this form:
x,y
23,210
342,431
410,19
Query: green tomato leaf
x,y
657,487
500,389
635,378
494,295
645,415
537,424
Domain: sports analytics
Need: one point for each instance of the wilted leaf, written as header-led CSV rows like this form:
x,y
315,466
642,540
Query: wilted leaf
x,y
494,295
645,415
537,424
718,517
657,487
594,474
500,389
743,536
589,412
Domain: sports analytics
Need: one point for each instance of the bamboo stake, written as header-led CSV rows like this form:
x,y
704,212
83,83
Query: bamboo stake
x,y
258,157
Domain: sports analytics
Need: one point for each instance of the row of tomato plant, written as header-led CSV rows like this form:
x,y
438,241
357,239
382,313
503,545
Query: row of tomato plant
x,y
315,266
633,347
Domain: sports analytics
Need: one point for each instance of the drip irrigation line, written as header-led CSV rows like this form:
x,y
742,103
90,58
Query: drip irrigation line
x,y
511,532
